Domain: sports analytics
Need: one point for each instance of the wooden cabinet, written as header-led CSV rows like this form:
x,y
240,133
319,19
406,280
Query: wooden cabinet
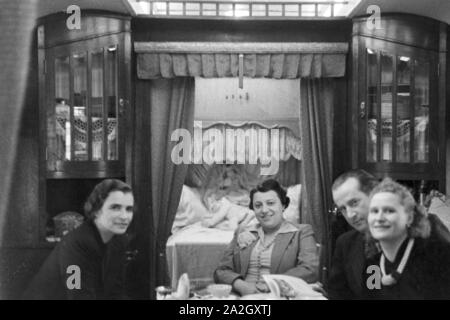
x,y
84,107
398,111
398,118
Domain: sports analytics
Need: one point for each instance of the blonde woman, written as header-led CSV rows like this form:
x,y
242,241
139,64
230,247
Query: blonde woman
x,y
412,265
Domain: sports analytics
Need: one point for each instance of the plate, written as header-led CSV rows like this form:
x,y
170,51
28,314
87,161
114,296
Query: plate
x,y
260,296
230,297
211,297
302,290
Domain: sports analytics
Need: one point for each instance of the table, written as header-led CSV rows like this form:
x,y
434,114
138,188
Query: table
x,y
196,251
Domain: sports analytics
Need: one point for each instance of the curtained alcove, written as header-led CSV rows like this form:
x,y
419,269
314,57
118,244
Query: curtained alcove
x,y
165,102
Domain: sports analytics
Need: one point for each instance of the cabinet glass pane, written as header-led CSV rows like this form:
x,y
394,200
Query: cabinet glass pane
x,y
387,64
403,136
97,105
80,111
421,111
58,128
372,106
112,107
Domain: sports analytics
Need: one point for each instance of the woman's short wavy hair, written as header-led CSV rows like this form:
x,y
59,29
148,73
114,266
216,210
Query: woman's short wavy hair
x,y
270,185
101,191
420,226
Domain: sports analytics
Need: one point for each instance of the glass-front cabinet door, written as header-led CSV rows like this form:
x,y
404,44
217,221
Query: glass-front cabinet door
x,y
84,107
397,108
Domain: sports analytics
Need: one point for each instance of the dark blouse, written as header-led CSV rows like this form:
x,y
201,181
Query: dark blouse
x,y
102,268
426,274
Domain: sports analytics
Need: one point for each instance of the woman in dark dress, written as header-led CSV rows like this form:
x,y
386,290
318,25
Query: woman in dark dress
x,y
89,262
412,265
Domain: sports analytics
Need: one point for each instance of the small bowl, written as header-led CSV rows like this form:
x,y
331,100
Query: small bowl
x,y
219,290
163,292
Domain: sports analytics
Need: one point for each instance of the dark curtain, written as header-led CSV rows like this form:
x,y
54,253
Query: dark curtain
x,y
316,124
17,19
290,172
162,106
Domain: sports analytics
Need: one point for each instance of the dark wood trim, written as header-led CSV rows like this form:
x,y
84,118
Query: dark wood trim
x,y
203,30
87,169
394,107
379,124
355,100
86,12
442,106
92,26
408,29
88,103
82,170
90,174
398,42
72,109
105,95
121,99
42,158
130,107
399,49
84,45
100,36
412,84
434,169
435,136
363,98
445,71
405,171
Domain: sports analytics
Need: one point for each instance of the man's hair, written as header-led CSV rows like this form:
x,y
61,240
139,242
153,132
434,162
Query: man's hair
x,y
101,191
366,180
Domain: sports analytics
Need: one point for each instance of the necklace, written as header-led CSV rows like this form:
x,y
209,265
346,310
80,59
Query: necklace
x,y
391,279
267,244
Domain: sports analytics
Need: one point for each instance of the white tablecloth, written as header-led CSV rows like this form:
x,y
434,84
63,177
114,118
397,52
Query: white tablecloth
x,y
196,251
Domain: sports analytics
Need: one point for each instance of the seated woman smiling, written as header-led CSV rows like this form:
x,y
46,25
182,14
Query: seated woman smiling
x,y
273,246
413,265
89,262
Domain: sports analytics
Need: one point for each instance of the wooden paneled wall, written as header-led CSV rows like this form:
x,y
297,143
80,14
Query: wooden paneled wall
x,y
241,31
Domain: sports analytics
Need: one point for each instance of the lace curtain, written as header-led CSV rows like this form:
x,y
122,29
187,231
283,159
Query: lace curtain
x,y
81,136
402,137
251,142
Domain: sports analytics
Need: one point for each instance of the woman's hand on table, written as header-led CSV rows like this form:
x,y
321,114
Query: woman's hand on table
x,y
318,287
262,287
244,288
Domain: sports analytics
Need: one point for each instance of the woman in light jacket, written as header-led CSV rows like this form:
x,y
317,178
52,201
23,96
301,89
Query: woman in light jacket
x,y
273,246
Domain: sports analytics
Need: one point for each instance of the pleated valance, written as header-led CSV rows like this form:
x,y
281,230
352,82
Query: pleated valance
x,y
217,59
